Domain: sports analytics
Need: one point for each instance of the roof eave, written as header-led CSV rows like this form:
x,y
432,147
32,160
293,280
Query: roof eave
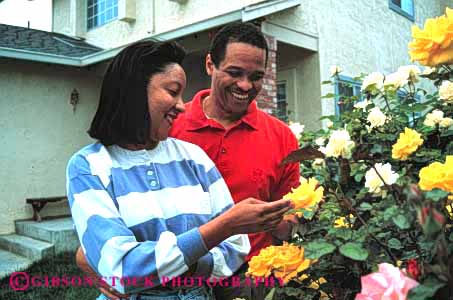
x,y
244,14
40,57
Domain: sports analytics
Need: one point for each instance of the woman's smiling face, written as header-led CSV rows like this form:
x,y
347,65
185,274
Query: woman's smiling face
x,y
165,100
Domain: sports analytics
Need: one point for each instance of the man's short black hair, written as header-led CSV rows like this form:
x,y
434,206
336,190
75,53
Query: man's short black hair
x,y
122,116
236,32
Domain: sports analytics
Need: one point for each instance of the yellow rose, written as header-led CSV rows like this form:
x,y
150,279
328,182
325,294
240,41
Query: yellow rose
x,y
261,265
446,91
431,176
434,44
437,175
342,222
289,262
407,143
284,261
307,195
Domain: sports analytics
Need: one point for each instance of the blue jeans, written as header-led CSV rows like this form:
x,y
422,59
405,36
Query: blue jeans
x,y
196,293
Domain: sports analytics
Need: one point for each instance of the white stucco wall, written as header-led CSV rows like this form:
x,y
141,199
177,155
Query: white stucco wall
x,y
61,16
359,36
39,132
167,16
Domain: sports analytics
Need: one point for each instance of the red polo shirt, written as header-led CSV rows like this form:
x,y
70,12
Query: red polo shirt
x,y
247,154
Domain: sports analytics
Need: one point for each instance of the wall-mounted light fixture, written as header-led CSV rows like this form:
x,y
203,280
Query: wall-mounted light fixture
x,y
74,99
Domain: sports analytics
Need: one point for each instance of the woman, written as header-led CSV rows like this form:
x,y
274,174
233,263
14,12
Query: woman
x,y
146,205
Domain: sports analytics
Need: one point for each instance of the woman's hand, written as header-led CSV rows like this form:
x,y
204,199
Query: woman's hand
x,y
252,215
248,216
104,288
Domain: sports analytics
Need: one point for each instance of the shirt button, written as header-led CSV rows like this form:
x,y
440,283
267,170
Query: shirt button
x,y
153,183
150,172
223,151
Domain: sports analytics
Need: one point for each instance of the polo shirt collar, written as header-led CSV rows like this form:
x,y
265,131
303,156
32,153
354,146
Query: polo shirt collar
x,y
197,118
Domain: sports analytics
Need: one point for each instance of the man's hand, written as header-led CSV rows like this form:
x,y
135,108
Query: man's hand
x,y
107,290
283,230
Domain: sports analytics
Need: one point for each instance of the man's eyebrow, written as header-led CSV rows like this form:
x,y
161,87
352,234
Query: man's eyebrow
x,y
234,68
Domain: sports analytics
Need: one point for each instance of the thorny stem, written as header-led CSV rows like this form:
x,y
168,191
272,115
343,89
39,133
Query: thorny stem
x,y
354,211
387,103
386,249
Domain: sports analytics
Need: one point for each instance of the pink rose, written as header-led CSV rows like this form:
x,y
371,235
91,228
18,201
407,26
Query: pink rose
x,y
390,283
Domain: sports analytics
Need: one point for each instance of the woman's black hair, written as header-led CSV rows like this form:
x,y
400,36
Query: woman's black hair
x,y
122,116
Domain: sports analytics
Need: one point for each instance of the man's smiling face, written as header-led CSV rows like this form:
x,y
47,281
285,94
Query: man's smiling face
x,y
238,78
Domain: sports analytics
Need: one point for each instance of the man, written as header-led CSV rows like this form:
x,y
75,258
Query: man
x,y
246,144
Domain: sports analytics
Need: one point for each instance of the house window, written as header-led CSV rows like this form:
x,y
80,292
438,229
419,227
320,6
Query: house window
x,y
345,87
282,112
403,7
101,12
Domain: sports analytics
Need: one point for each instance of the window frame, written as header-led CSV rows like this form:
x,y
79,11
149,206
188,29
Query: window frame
x,y
283,117
356,85
401,11
89,17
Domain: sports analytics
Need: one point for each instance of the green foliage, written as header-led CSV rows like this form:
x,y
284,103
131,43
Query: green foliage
x,y
394,225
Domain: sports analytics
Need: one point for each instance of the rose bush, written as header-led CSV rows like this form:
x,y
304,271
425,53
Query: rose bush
x,y
375,204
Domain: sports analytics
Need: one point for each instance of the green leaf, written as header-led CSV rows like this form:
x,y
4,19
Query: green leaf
x,y
270,295
409,254
345,234
390,212
326,82
447,133
365,206
425,290
358,177
383,234
436,195
315,250
308,214
419,107
354,251
401,221
395,244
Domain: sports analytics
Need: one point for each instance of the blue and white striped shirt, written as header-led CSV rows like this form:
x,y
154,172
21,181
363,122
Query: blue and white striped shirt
x,y
137,213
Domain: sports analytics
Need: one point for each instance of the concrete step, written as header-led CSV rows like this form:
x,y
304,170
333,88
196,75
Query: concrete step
x,y
26,246
10,262
59,232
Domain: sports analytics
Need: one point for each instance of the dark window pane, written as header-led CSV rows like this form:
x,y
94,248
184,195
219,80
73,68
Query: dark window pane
x,y
282,113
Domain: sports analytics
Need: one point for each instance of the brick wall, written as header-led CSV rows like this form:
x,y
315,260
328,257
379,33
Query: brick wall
x,y
267,99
